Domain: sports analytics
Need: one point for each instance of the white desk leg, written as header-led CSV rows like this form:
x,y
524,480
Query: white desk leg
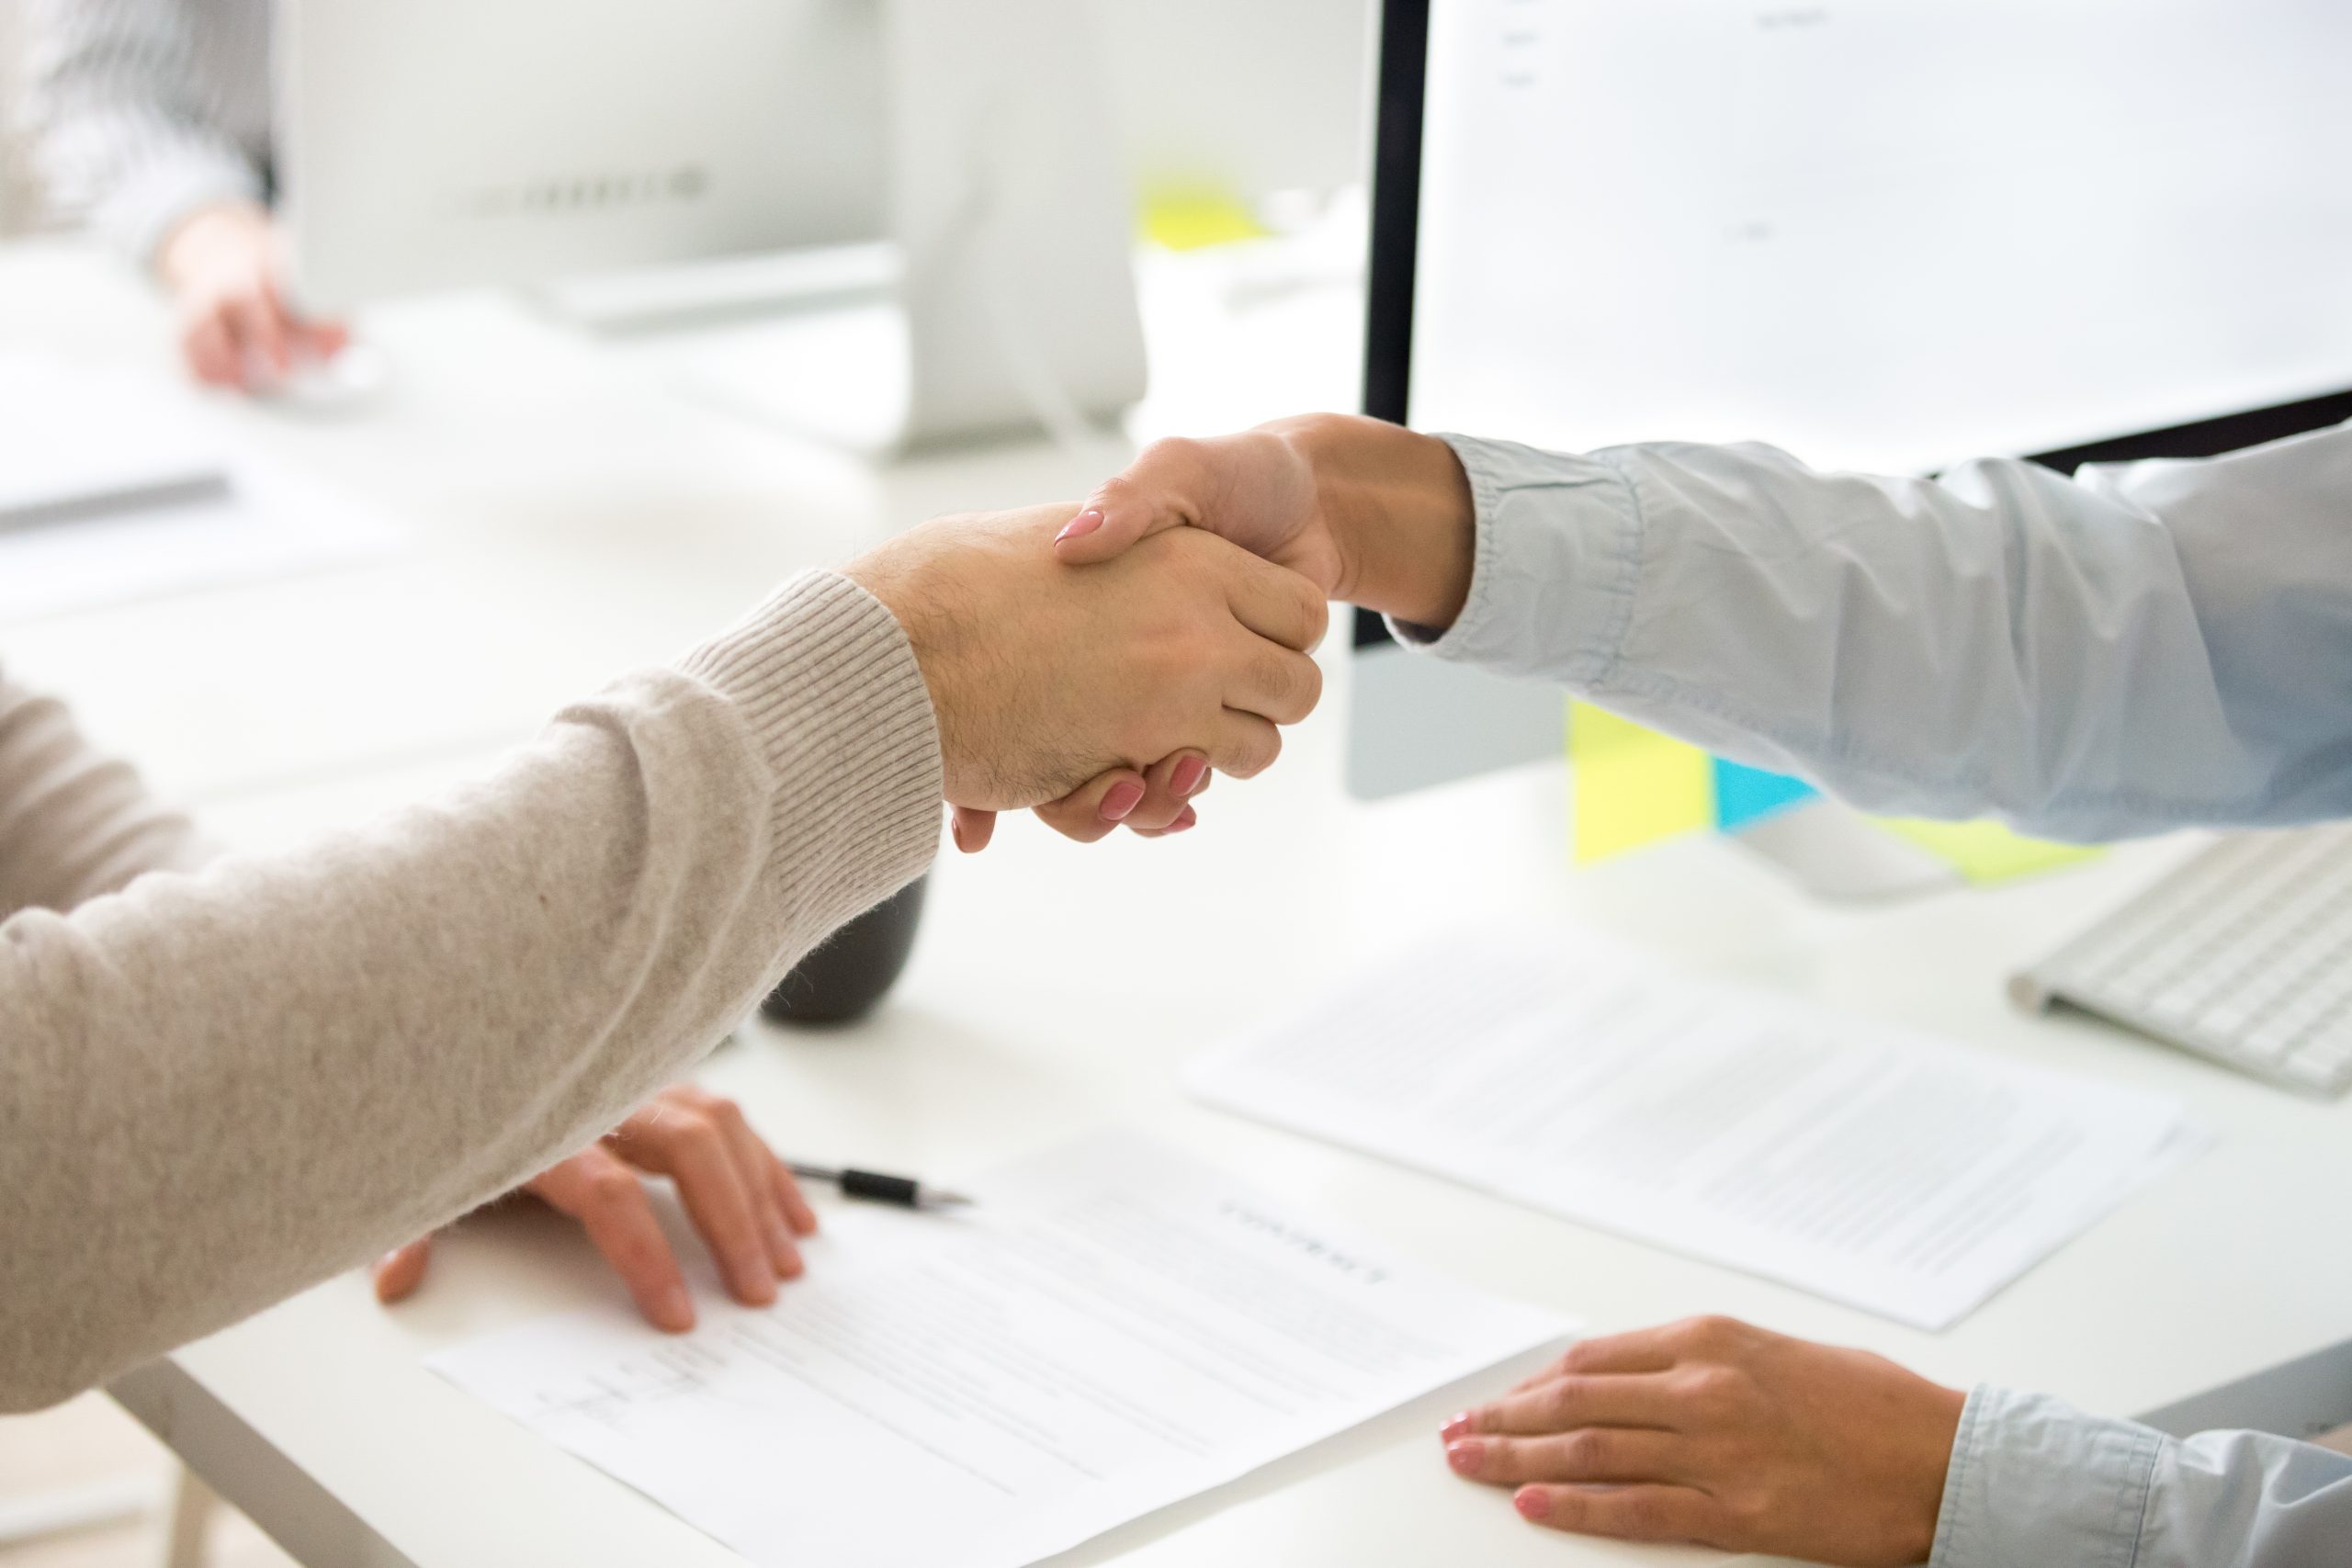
x,y
192,1506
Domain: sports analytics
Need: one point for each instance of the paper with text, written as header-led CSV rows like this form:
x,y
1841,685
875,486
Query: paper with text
x,y
120,487
1870,1164
1113,1328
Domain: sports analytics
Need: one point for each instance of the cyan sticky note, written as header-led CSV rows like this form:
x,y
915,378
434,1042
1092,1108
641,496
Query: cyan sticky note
x,y
1745,794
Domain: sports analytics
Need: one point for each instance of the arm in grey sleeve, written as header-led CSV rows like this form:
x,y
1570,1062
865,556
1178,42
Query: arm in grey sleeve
x,y
2034,1482
2128,650
125,138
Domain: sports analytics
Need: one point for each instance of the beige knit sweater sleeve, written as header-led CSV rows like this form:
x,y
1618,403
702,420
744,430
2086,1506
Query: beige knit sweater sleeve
x,y
219,1087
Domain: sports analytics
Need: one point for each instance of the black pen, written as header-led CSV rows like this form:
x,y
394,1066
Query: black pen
x,y
903,1190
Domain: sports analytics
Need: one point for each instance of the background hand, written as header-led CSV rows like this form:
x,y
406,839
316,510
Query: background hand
x,y
1044,676
742,1199
236,329
1711,1431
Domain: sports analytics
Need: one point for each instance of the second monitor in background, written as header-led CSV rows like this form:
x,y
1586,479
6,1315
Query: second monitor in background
x,y
449,143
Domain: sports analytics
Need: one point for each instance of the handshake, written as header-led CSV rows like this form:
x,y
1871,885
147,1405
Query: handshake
x,y
1098,663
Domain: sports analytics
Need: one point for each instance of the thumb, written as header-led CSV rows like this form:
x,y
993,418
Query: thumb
x,y
400,1271
1159,490
972,829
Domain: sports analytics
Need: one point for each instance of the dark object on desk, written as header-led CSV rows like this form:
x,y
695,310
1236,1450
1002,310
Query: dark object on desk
x,y
904,1191
855,968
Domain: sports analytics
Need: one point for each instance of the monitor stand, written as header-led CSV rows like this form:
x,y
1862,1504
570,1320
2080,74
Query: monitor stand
x,y
1837,854
1004,298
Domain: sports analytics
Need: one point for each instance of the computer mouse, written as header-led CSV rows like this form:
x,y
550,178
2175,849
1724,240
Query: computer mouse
x,y
346,383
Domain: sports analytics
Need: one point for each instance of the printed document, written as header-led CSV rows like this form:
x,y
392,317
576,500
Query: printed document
x,y
1114,1327
1873,1165
119,488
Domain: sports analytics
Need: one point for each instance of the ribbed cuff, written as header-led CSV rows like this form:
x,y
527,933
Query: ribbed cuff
x,y
830,690
2035,1481
1554,567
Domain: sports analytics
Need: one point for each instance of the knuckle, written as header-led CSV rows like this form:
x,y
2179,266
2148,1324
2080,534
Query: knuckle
x,y
1645,1516
1586,1452
1317,611
1310,685
611,1186
1708,1332
1256,755
1168,452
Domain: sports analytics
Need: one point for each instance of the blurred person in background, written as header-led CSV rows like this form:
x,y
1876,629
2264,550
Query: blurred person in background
x,y
151,124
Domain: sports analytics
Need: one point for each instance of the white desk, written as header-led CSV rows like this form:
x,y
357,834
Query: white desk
x,y
1055,988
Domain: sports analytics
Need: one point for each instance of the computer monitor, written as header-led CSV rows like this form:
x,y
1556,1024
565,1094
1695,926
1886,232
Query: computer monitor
x,y
1890,236
459,144
440,144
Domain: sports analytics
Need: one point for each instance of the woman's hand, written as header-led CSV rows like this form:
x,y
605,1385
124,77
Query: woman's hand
x,y
236,329
1370,513
742,1199
1714,1432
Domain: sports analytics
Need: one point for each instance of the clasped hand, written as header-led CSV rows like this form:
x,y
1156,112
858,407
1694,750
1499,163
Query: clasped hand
x,y
1078,688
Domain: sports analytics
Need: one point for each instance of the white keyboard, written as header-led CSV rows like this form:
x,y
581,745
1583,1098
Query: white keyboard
x,y
2244,954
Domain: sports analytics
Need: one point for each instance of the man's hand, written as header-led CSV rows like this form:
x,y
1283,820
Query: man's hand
x,y
1044,676
221,266
740,1197
1714,1432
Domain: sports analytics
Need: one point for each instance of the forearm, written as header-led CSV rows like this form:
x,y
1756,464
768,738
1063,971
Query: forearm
x,y
75,822
2138,649
2034,1481
217,1088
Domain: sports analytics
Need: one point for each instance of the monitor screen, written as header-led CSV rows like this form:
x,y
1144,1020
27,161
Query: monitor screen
x,y
1882,233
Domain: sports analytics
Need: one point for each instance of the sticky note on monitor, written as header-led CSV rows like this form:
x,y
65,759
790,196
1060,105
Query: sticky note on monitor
x,y
1986,851
1632,785
1746,794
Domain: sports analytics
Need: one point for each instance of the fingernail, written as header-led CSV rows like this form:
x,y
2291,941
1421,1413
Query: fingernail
x,y
1464,1456
1184,820
1458,1426
1530,1504
1121,799
1188,776
674,1309
955,831
1078,527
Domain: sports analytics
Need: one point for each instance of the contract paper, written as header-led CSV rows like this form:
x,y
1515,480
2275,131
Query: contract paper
x,y
1874,1166
119,489
1112,1328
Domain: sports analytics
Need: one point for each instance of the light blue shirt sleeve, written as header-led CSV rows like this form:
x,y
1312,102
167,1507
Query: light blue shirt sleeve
x,y
2035,1483
2125,651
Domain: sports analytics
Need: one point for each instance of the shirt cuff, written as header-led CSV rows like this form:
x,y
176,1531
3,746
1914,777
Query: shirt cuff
x,y
166,190
2035,1481
828,688
1556,562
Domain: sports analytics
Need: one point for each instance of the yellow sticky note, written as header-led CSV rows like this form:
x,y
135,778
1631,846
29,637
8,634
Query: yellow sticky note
x,y
1187,217
1986,851
1633,786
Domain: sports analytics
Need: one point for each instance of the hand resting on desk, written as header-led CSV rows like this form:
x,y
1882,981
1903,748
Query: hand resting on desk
x,y
1714,1432
742,1200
